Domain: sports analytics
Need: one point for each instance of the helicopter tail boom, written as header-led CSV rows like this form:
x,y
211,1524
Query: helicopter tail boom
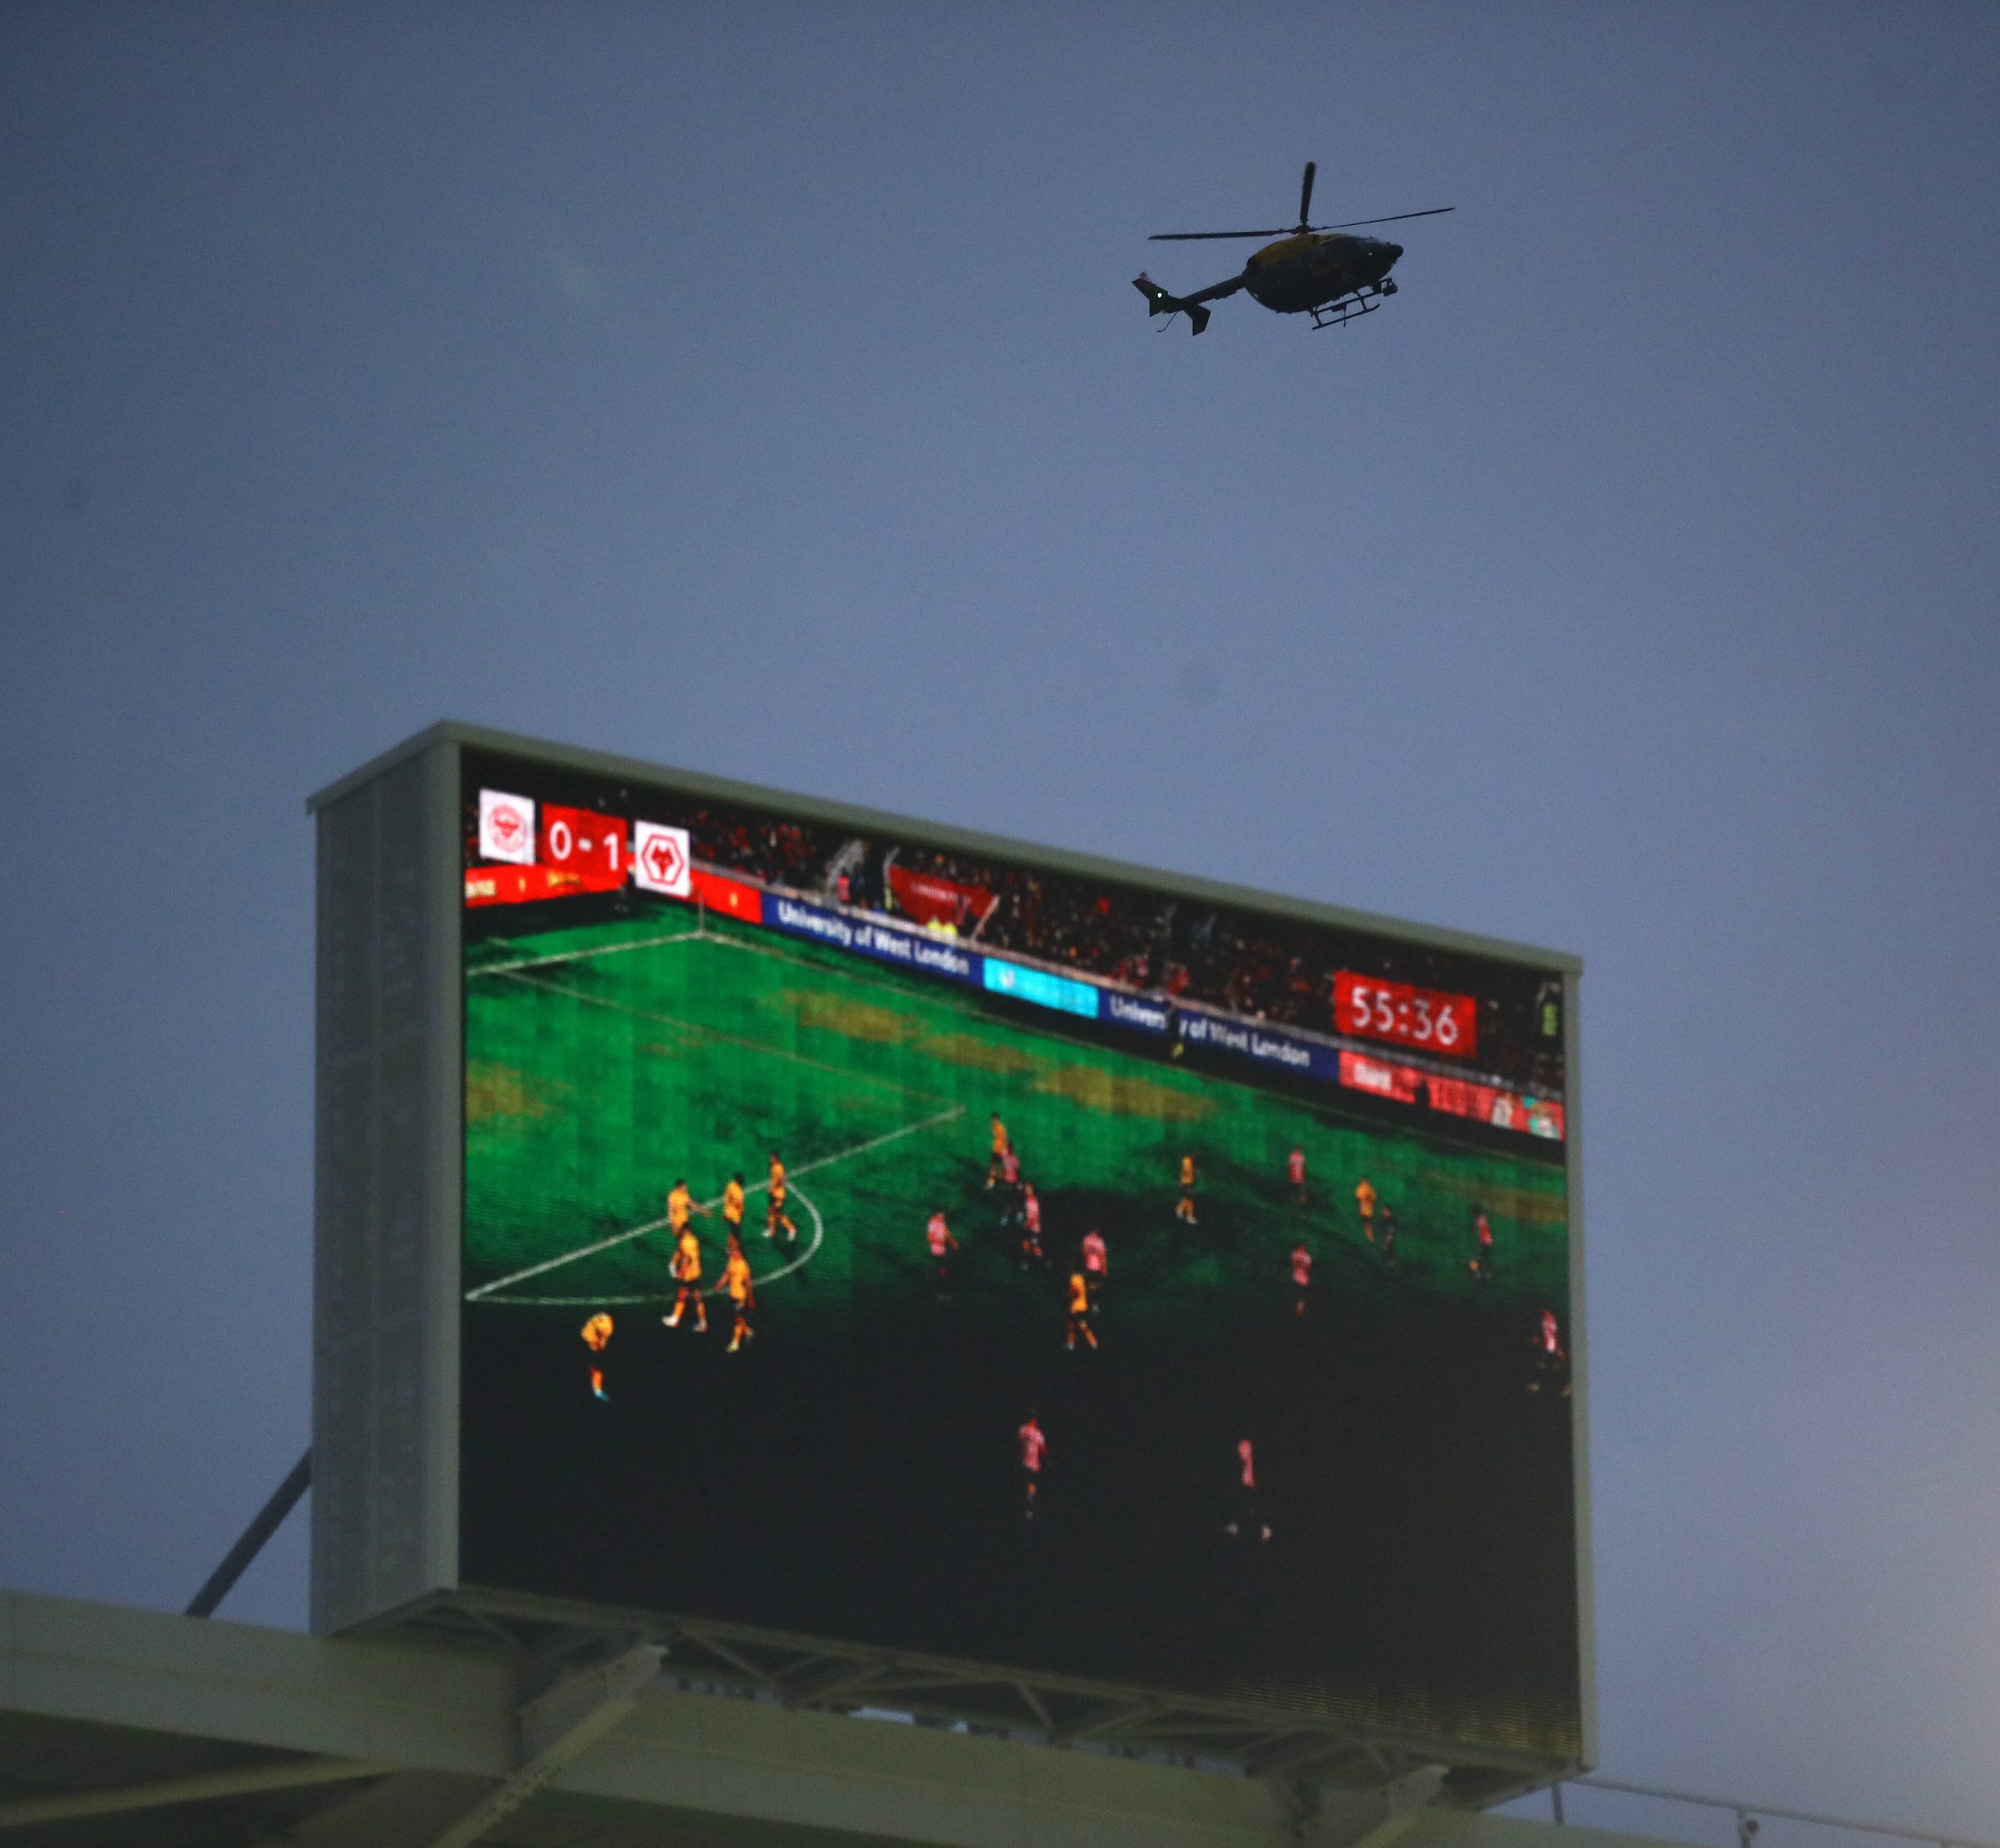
x,y
1159,303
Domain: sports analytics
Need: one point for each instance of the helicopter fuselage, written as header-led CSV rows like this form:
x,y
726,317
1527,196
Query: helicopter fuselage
x,y
1323,270
1310,270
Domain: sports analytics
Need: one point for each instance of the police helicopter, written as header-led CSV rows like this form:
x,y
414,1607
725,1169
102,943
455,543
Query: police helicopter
x,y
1313,270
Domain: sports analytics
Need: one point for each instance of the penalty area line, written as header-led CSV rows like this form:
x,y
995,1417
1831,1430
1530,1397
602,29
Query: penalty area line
x,y
489,1292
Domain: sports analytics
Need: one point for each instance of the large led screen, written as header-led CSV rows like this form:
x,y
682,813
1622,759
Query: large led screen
x,y
956,1254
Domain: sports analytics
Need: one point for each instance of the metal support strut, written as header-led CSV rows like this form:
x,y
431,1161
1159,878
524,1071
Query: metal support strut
x,y
269,1520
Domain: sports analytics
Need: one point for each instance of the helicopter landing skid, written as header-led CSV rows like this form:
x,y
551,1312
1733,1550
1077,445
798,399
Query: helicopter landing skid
x,y
1350,307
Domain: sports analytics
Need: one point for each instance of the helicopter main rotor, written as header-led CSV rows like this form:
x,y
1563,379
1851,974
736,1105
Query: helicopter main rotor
x,y
1300,229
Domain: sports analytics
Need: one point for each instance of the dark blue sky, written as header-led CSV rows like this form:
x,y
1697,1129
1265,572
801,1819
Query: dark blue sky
x,y
762,390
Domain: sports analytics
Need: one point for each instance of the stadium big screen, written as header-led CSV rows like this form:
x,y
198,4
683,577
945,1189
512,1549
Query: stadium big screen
x,y
959,1251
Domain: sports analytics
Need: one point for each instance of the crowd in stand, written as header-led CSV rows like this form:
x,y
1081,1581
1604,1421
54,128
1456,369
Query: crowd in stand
x,y
779,853
1259,968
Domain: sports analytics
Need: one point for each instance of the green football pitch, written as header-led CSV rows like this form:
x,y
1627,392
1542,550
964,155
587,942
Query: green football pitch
x,y
602,1063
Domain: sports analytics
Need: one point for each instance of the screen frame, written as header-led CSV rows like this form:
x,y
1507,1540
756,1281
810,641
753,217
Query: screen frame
x,y
350,1510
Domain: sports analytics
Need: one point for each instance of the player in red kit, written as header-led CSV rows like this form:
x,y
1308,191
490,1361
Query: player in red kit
x,y
937,1235
1551,1363
1481,1265
1097,1262
1010,1180
1035,1447
1244,1518
1032,1256
1302,1278
1294,1172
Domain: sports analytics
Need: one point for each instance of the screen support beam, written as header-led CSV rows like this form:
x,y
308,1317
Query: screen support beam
x,y
1102,1719
825,1682
555,1729
709,1657
1292,1756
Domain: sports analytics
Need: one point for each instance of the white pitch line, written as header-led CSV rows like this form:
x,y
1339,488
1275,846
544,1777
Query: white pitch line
x,y
861,1148
785,1270
535,962
486,1291
626,1302
535,1270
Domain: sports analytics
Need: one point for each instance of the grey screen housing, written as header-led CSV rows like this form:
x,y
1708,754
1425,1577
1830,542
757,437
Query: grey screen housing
x,y
386,1192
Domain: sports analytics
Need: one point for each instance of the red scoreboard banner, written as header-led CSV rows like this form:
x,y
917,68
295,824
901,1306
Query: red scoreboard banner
x,y
525,885
580,841
1409,1015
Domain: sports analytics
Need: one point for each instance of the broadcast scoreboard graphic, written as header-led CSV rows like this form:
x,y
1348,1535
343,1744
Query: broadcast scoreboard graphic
x,y
871,1236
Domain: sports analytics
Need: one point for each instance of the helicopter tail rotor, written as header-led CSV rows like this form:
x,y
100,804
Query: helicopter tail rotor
x,y
1159,303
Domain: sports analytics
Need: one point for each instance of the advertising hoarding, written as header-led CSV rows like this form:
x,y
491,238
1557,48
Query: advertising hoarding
x,y
948,1246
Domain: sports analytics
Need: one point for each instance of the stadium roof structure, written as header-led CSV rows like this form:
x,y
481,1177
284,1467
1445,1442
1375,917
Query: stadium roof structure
x,y
123,1726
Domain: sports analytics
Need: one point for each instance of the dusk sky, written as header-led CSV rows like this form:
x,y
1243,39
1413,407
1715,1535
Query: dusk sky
x,y
762,391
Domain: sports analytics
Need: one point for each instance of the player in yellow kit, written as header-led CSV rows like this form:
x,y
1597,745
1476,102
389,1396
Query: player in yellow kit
x,y
687,1264
1184,1206
732,1207
999,1155
597,1334
679,1205
1079,1311
742,1295
1364,1200
775,1215
680,1208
